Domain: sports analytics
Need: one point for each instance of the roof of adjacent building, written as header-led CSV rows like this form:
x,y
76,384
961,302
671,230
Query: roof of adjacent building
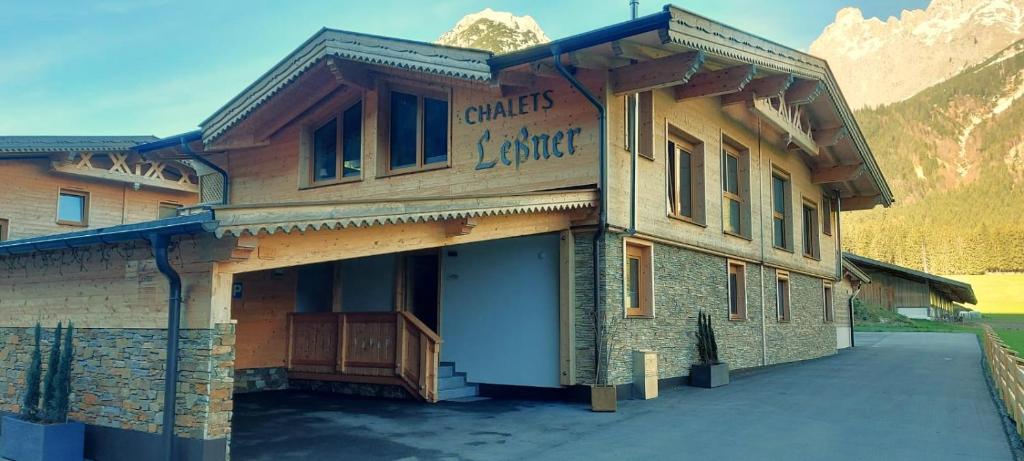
x,y
856,271
51,144
180,225
955,290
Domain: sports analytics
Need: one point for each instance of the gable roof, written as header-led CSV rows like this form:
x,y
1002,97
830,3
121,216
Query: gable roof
x,y
51,144
855,271
430,58
955,290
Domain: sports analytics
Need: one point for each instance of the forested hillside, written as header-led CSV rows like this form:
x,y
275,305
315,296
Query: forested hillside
x,y
954,155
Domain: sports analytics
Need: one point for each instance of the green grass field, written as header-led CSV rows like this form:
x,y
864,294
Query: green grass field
x,y
998,293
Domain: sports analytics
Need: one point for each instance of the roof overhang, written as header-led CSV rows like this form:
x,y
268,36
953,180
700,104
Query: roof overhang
x,y
181,225
955,290
854,271
247,220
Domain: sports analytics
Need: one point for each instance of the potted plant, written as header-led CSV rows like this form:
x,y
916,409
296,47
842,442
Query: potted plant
x,y
42,432
709,371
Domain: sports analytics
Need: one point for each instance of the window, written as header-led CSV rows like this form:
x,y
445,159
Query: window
x,y
5,226
685,179
826,215
637,279
737,292
811,247
782,295
826,291
168,210
644,121
73,208
337,147
735,190
780,211
417,130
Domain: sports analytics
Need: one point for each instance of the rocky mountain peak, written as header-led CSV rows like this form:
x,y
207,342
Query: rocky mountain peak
x,y
880,62
495,31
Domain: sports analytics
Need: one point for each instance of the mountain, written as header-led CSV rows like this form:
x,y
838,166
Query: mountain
x,y
496,31
880,62
954,155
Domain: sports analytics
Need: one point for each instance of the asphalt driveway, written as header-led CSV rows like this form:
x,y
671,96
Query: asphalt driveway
x,y
895,396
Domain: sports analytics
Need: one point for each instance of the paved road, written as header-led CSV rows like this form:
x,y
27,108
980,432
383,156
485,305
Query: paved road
x,y
895,396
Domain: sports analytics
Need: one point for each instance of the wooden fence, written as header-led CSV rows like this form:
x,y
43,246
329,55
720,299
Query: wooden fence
x,y
1008,374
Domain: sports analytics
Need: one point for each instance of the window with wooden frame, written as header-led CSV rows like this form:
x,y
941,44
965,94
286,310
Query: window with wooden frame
x,y
73,207
782,295
811,241
826,215
735,190
168,210
685,179
416,128
5,227
826,293
781,220
333,149
737,291
638,280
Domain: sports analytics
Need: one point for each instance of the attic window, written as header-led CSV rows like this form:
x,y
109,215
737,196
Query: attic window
x,y
417,130
337,147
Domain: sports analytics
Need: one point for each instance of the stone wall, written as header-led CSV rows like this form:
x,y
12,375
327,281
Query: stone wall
x,y
118,377
261,379
584,308
686,281
806,335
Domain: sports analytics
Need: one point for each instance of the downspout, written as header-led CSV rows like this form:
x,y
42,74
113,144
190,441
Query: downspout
x,y
225,184
160,243
760,219
839,258
602,220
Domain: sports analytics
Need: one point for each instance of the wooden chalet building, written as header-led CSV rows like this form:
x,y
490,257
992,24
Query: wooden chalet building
x,y
57,184
913,293
414,220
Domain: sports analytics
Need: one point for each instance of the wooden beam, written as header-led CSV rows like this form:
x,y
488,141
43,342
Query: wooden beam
x,y
120,177
656,73
860,203
315,97
457,227
632,50
350,74
519,79
760,88
804,92
829,136
841,173
587,60
717,83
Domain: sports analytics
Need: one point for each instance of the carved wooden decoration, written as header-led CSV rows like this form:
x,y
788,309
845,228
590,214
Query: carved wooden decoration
x,y
760,88
128,168
789,120
804,92
656,73
717,83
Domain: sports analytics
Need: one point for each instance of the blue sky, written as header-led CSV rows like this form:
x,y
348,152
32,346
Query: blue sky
x,y
162,66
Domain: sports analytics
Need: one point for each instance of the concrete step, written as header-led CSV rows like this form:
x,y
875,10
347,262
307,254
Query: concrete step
x,y
451,382
445,370
458,392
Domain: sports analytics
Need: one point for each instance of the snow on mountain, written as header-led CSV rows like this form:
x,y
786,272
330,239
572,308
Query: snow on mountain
x,y
496,31
879,62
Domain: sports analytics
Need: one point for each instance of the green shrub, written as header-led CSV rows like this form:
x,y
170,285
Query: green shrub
x,y
30,403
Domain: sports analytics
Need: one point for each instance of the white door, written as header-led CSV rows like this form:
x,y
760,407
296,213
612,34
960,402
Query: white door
x,y
842,337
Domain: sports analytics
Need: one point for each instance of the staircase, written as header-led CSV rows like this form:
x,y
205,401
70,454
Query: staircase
x,y
452,385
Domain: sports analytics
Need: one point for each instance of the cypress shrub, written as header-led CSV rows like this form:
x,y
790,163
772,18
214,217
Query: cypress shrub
x,y
30,403
62,394
51,372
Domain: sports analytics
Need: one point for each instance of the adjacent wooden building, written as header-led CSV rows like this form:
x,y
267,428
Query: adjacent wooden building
x,y
419,221
913,293
56,184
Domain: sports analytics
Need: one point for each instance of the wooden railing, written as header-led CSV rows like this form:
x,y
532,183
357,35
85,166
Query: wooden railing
x,y
382,348
1008,374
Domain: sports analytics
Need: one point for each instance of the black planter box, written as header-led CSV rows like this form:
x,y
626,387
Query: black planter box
x,y
28,441
709,375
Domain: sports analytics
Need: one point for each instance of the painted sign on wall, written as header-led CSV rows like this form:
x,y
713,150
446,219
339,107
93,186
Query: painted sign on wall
x,y
520,146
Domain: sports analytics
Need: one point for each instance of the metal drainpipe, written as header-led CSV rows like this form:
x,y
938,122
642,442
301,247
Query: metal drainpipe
x,y
602,220
160,245
839,251
225,184
760,224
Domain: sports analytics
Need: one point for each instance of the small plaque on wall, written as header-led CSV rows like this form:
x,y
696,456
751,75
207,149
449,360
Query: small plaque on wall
x,y
236,290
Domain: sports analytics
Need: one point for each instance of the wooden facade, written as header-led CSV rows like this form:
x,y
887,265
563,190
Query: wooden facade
x,y
911,292
118,188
